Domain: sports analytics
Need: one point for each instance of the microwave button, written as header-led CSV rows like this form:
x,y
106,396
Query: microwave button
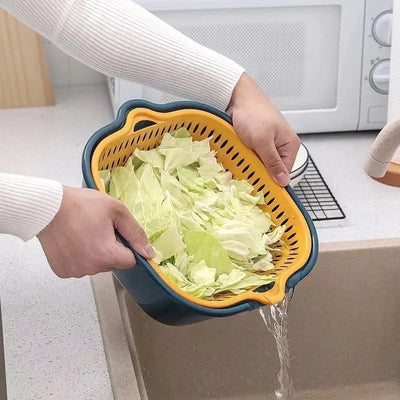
x,y
382,28
379,76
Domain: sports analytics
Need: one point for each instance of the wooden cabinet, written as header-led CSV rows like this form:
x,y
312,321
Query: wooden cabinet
x,y
24,77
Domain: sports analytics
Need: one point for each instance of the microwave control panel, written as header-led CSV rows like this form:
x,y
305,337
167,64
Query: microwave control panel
x,y
376,64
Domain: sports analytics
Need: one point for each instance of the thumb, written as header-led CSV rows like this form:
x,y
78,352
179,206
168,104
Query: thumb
x,y
131,231
288,152
123,257
275,166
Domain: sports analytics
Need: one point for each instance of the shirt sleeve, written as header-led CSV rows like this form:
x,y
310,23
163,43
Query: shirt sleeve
x,y
120,38
27,205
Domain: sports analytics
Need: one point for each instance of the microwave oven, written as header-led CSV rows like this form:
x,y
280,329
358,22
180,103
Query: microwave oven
x,y
324,63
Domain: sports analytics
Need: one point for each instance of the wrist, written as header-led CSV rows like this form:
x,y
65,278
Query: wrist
x,y
246,90
58,211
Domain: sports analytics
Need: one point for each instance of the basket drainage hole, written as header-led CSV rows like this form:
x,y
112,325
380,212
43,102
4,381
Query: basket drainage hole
x,y
281,214
216,140
264,288
271,201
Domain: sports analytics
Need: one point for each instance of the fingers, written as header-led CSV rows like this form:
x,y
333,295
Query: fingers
x,y
80,240
273,161
124,258
129,228
288,150
263,128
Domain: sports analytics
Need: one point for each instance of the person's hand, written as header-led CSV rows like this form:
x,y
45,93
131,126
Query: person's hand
x,y
263,128
81,240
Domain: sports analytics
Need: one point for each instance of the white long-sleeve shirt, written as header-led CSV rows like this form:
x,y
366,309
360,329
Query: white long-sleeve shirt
x,y
118,38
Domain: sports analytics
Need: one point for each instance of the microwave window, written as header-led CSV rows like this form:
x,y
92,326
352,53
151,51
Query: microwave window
x,y
292,52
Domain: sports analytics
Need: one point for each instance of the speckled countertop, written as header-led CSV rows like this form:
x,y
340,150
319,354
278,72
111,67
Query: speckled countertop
x,y
372,209
52,340
53,345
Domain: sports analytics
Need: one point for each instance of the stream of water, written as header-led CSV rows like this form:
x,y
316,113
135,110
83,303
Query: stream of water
x,y
276,320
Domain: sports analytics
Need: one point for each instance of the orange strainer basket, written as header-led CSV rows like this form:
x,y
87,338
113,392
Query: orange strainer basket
x,y
142,125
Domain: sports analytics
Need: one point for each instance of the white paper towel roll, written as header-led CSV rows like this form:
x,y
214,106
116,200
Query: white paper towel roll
x,y
394,88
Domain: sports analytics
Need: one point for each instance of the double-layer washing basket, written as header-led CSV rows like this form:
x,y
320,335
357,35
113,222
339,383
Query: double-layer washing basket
x,y
141,124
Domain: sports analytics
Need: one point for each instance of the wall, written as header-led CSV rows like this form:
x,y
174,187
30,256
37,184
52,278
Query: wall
x,y
66,71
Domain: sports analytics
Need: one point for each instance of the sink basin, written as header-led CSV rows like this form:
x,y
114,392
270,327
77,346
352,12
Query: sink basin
x,y
3,390
343,333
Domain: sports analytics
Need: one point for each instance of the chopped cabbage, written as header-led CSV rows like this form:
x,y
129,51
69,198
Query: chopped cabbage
x,y
209,234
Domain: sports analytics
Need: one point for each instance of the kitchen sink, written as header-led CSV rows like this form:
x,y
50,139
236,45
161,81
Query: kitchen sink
x,y
3,390
343,333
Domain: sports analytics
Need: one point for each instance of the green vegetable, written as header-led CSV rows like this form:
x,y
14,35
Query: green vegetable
x,y
209,234
205,247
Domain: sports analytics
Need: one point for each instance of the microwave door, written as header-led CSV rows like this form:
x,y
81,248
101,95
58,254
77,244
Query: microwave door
x,y
306,55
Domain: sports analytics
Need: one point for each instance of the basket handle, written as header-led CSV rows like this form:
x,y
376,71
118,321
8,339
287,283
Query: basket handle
x,y
140,118
138,257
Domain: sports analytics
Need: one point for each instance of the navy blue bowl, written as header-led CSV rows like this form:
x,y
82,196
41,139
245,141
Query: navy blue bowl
x,y
142,282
